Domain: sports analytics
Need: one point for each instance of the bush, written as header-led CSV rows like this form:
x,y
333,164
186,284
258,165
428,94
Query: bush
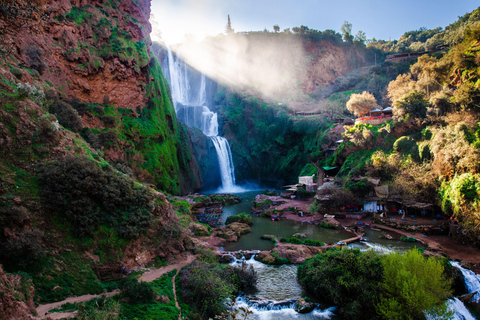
x,y
17,73
109,121
411,106
35,59
244,278
136,292
66,115
205,287
23,253
308,242
81,107
241,217
349,279
89,195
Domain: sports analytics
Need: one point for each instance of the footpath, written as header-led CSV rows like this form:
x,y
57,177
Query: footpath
x,y
149,276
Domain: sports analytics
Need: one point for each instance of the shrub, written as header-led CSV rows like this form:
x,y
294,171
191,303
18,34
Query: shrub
x,y
410,106
244,277
17,73
136,292
241,217
349,279
88,195
204,286
24,252
35,58
109,121
66,115
26,90
79,106
107,138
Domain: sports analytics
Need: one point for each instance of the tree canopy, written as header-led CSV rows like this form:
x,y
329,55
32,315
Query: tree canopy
x,y
412,285
361,104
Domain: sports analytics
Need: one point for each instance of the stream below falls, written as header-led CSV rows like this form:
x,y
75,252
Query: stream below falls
x,y
277,285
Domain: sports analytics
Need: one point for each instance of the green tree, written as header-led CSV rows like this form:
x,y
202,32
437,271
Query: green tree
x,y
360,37
412,105
412,286
276,28
349,278
360,104
347,31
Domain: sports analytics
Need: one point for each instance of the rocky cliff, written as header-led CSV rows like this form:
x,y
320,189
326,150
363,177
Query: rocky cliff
x,y
88,134
97,54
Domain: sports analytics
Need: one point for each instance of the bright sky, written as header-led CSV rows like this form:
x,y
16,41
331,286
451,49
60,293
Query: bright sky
x,y
380,19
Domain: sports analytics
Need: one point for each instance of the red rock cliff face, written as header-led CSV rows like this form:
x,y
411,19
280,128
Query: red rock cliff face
x,y
95,51
328,62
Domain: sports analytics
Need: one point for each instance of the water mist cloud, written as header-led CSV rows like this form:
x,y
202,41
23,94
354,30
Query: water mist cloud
x,y
270,65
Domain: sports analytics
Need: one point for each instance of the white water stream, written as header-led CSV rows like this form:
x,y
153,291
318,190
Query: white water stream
x,y
189,94
277,285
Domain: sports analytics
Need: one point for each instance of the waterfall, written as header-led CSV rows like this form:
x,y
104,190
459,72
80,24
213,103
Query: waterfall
x,y
189,94
472,280
227,171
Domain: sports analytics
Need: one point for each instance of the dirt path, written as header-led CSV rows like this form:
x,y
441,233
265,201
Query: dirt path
x,y
149,276
175,295
153,274
42,310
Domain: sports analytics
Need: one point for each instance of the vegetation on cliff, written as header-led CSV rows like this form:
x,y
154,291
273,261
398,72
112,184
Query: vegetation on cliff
x,y
79,164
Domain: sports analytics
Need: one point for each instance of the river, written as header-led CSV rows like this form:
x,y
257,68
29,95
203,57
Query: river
x,y
279,283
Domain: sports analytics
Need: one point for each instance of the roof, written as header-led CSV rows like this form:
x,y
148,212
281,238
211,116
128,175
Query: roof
x,y
329,168
376,110
387,109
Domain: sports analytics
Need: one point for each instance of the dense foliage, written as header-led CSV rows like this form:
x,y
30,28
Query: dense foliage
x,y
348,279
206,285
366,285
412,285
241,217
89,195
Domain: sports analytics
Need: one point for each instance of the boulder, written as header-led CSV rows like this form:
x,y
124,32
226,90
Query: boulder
x,y
200,230
265,257
295,253
301,306
233,231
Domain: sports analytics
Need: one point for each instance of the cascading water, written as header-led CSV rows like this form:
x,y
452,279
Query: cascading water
x,y
278,290
189,94
472,280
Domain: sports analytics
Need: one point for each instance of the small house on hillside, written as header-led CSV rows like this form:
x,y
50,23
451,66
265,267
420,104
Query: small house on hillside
x,y
376,116
308,182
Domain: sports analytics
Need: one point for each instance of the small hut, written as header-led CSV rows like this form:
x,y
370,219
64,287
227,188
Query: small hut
x,y
375,112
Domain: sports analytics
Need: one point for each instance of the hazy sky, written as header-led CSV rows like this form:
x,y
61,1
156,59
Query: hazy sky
x,y
380,19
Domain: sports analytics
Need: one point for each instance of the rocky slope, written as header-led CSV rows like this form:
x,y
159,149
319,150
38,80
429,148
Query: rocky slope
x,y
97,53
82,99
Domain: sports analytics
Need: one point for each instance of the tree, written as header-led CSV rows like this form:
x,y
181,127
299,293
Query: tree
x,y
360,37
412,105
276,28
349,279
228,28
412,286
400,87
361,104
347,31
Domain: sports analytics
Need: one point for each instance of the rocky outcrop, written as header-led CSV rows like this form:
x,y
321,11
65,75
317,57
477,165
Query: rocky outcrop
x,y
16,298
98,52
233,231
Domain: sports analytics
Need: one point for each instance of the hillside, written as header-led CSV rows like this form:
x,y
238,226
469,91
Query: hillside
x,y
88,136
